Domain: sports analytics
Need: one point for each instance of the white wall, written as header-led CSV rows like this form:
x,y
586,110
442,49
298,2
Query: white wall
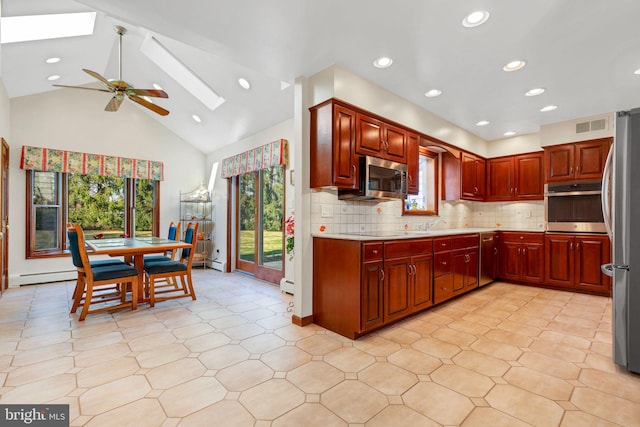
x,y
283,130
75,120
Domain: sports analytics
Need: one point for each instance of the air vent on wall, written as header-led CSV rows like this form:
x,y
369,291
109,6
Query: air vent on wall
x,y
591,126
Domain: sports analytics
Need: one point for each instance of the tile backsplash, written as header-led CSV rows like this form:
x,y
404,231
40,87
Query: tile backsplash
x,y
330,215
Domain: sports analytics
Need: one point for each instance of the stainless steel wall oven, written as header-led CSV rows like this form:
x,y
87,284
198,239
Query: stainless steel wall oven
x,y
574,207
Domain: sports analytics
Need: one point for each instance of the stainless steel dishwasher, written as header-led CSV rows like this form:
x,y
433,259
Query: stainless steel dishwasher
x,y
488,258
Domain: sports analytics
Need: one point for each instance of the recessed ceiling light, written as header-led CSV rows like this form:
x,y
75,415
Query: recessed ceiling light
x,y
476,18
52,60
53,77
244,83
548,108
514,65
509,133
157,86
535,91
383,62
637,71
482,123
197,118
432,93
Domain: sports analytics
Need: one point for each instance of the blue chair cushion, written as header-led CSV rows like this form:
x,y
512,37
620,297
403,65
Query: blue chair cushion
x,y
106,262
155,258
73,248
165,267
111,272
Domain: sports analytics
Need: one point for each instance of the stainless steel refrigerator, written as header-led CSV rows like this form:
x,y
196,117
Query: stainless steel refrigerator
x,y
621,209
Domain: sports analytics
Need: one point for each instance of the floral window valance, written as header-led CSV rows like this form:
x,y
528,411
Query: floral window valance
x,y
273,154
47,159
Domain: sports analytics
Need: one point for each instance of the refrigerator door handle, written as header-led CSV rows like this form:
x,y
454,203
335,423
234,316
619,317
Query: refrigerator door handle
x,y
605,195
607,269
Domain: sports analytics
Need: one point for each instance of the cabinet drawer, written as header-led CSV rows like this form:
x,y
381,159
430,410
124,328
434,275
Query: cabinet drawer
x,y
442,244
466,241
372,251
442,288
442,264
402,248
512,236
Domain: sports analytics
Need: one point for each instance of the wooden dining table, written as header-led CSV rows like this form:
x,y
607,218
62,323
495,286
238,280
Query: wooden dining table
x,y
133,249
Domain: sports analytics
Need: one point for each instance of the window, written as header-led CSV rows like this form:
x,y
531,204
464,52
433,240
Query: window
x,y
426,201
104,205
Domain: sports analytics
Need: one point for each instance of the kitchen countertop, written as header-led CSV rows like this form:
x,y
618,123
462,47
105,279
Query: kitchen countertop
x,y
411,234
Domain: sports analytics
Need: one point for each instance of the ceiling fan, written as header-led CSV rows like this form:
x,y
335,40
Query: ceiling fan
x,y
120,88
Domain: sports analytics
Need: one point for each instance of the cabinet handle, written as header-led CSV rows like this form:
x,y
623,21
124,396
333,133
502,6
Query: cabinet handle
x,y
577,246
444,262
521,237
519,251
467,258
515,190
475,190
495,251
577,169
524,251
410,178
512,191
353,168
571,246
382,275
375,251
571,170
415,270
443,244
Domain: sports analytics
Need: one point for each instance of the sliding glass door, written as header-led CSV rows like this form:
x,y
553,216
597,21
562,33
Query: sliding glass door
x,y
260,232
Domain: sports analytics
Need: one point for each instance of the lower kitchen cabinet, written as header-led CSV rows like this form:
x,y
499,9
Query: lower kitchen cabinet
x,y
408,267
456,266
573,261
522,257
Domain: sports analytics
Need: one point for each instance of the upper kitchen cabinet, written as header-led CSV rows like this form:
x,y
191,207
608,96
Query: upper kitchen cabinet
x,y
379,139
413,164
515,178
333,136
578,161
472,177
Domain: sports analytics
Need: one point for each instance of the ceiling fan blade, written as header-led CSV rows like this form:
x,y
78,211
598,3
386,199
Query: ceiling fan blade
x,y
99,77
86,88
153,107
114,104
148,92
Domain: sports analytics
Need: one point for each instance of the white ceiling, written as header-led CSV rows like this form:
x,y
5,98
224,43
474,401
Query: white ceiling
x,y
584,52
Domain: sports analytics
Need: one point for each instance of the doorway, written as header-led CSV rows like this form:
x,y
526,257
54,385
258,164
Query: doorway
x,y
4,216
259,226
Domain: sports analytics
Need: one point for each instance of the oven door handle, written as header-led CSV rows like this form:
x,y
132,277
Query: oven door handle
x,y
574,193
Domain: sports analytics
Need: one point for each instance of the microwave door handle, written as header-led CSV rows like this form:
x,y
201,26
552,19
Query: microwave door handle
x,y
605,194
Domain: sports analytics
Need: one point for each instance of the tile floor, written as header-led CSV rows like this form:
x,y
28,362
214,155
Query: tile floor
x,y
503,355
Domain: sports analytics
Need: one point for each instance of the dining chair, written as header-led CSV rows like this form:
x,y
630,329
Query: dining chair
x,y
173,234
99,283
157,271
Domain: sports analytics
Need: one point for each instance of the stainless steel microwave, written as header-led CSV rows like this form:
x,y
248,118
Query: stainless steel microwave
x,y
574,207
378,179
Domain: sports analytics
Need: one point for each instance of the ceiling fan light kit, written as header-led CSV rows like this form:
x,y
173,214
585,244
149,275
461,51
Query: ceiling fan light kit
x,y
120,88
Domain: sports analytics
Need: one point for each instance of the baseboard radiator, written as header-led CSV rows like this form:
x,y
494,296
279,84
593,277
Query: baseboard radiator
x,y
44,277
218,265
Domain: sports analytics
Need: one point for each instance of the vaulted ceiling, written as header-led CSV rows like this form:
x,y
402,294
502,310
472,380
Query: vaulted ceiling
x,y
582,52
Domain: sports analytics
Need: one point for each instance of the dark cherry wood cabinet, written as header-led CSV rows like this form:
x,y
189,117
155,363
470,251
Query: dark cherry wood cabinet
x,y
413,164
376,138
577,161
573,261
515,177
333,161
372,286
522,257
408,266
473,177
465,258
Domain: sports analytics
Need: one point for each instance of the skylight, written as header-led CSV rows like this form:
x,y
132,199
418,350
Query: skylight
x,y
171,65
43,27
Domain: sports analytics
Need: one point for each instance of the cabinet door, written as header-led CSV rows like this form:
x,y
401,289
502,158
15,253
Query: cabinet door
x,y
460,269
591,253
369,136
500,174
422,282
473,270
532,262
394,140
473,179
396,288
371,295
590,157
442,288
511,264
413,164
559,161
345,164
529,182
559,259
